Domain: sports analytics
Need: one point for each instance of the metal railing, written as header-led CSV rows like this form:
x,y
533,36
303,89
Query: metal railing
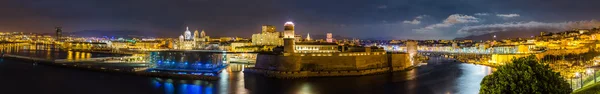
x,y
581,80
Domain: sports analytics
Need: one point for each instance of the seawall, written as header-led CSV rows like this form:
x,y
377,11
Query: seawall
x,y
301,65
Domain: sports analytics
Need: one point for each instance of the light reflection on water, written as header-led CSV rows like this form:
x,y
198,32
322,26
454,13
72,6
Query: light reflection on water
x,y
471,74
49,52
171,86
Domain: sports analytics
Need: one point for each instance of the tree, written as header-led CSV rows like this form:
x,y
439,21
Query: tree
x,y
524,76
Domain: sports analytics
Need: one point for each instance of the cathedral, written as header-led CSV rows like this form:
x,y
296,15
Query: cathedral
x,y
187,41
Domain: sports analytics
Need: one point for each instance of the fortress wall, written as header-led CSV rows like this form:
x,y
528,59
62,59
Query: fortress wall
x,y
400,61
371,62
308,65
329,63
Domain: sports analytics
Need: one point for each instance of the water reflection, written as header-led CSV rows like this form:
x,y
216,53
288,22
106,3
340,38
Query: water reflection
x,y
171,86
471,74
438,76
49,52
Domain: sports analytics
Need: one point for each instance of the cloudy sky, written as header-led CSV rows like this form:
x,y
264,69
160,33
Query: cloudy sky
x,y
382,19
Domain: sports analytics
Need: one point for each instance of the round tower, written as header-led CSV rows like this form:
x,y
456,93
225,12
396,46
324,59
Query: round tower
x,y
289,38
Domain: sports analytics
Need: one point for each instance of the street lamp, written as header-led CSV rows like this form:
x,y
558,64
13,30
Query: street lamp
x,y
591,71
577,75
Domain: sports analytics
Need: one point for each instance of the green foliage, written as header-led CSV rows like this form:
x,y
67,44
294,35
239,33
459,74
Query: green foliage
x,y
524,76
573,57
593,89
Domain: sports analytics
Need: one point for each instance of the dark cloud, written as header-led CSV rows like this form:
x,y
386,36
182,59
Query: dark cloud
x,y
527,26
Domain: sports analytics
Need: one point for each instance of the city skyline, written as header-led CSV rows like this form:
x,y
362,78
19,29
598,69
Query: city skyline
x,y
299,46
360,19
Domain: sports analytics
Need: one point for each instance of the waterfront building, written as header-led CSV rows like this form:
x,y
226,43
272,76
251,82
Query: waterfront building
x,y
316,47
143,45
91,46
187,63
253,48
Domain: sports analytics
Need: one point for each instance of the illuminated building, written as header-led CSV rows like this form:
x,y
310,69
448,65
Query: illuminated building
x,y
329,37
186,41
267,38
268,29
95,46
226,39
308,37
316,47
187,63
58,33
150,44
238,44
264,41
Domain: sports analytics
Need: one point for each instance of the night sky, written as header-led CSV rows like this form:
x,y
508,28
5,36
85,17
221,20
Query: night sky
x,y
378,19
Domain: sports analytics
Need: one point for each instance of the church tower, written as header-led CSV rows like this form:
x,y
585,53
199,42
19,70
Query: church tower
x,y
196,34
187,34
202,34
308,37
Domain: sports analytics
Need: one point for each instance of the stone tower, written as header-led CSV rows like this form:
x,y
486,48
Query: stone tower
x,y
289,38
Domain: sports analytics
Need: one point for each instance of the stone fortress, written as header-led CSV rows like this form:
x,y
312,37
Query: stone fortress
x,y
316,59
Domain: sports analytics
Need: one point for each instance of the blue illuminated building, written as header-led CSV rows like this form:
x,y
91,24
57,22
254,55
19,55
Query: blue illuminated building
x,y
182,62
